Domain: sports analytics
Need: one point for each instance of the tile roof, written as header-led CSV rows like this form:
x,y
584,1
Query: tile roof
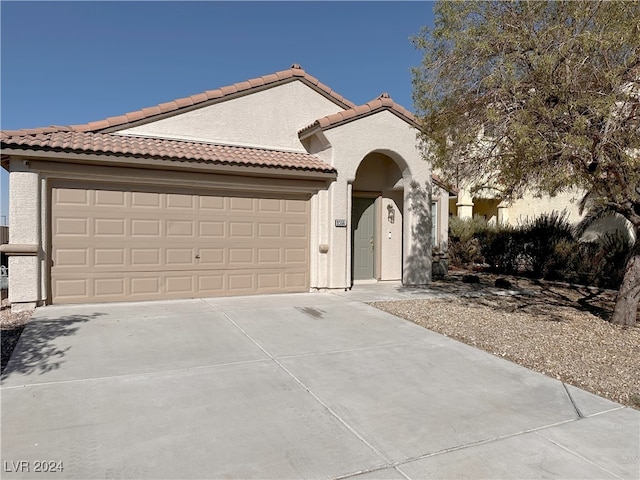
x,y
177,150
383,102
122,121
442,184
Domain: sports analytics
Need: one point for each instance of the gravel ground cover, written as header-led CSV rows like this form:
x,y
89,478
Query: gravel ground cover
x,y
555,329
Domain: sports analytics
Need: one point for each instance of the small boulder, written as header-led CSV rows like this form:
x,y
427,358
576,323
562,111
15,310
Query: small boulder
x,y
503,283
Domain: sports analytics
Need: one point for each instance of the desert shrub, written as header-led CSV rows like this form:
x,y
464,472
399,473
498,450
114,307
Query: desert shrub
x,y
464,246
563,262
602,262
501,249
545,247
540,238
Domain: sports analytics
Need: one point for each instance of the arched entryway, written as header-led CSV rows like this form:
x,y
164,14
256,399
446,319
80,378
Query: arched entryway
x,y
377,207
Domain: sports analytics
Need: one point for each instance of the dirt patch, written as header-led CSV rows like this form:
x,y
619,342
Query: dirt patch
x,y
558,330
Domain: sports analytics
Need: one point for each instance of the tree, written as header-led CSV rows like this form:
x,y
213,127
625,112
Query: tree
x,y
537,96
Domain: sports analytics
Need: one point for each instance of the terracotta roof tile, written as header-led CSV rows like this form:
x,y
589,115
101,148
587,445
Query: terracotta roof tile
x,y
256,82
199,98
383,102
164,107
228,90
176,150
284,74
151,111
242,86
211,94
133,116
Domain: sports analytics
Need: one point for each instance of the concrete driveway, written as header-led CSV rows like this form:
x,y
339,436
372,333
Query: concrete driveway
x,y
290,386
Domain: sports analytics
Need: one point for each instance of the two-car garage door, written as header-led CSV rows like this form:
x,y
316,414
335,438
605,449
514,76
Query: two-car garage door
x,y
127,244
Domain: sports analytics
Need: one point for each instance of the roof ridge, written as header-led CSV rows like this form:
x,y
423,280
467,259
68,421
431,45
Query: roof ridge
x,y
295,71
381,102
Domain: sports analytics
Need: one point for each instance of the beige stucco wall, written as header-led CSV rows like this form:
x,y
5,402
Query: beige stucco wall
x,y
529,207
269,118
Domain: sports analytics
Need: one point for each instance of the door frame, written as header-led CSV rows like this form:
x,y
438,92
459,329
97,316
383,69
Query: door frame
x,y
377,198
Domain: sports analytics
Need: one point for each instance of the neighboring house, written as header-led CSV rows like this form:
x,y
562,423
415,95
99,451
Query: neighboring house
x,y
529,207
276,184
494,210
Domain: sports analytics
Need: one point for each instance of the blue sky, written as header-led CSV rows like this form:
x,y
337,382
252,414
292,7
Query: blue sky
x,y
74,62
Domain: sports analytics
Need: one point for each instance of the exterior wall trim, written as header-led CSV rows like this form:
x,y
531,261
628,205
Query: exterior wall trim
x,y
15,249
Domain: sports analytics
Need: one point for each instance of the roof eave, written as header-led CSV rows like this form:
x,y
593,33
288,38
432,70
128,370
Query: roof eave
x,y
126,160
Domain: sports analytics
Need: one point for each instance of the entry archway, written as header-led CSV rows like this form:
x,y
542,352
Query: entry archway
x,y
377,208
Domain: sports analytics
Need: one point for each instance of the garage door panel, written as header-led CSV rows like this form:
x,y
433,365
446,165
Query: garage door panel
x,y
179,256
181,202
180,228
295,230
239,204
241,230
212,258
109,227
296,206
211,229
270,205
146,228
107,287
295,280
71,197
75,257
111,245
212,204
109,257
147,286
109,198
146,200
71,227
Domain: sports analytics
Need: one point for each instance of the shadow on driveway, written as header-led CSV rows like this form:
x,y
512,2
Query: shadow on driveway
x,y
37,352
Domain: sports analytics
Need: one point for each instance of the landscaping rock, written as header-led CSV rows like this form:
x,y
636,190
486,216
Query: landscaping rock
x,y
503,283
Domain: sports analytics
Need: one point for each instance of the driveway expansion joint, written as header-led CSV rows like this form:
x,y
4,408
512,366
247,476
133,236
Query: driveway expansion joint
x,y
346,350
576,454
575,407
301,384
134,375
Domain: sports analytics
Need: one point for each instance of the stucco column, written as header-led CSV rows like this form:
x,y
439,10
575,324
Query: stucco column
x,y
24,248
465,205
338,210
416,250
348,274
503,214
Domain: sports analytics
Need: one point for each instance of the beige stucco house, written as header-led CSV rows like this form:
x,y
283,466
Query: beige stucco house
x,y
275,184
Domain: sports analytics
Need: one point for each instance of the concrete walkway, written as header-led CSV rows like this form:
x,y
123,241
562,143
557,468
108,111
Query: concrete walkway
x,y
290,386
